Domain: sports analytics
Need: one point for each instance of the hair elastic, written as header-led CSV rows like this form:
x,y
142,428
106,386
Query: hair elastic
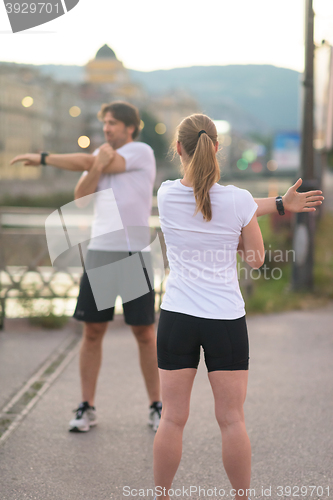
x,y
202,132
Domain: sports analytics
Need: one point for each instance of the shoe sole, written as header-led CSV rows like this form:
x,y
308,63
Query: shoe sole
x,y
82,429
78,429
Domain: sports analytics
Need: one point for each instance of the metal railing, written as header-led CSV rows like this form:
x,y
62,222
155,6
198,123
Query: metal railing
x,y
26,273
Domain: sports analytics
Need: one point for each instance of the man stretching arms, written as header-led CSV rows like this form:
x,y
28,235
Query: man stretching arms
x,y
128,168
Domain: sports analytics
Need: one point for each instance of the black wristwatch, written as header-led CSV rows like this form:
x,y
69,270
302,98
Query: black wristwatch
x,y
42,158
279,205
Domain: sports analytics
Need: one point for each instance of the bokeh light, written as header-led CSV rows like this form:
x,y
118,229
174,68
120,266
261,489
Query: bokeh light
x,y
75,111
256,167
222,126
249,155
160,128
27,101
242,164
142,124
272,165
83,141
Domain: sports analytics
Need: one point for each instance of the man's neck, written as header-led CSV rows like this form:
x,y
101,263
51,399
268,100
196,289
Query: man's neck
x,y
122,144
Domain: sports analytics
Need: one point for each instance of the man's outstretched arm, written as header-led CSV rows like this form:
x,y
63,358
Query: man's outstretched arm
x,y
77,162
292,201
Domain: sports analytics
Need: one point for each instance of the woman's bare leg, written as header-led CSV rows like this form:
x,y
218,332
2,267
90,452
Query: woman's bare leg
x,y
176,387
229,389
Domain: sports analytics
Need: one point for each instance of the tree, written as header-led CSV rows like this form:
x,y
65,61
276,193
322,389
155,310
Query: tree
x,y
148,135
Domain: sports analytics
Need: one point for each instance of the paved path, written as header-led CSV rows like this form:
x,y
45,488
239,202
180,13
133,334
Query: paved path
x,y
289,412
23,349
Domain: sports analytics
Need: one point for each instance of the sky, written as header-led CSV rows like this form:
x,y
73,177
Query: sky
x,y
157,34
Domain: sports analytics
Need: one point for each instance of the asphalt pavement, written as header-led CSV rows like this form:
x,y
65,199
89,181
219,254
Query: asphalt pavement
x,y
289,415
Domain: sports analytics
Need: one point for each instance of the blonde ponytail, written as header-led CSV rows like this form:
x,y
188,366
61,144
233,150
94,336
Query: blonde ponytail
x,y
198,136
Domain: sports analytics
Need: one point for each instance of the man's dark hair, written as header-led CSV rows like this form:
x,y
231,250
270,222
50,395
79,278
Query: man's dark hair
x,y
124,112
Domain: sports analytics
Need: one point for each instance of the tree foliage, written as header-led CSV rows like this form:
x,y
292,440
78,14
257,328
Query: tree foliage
x,y
150,136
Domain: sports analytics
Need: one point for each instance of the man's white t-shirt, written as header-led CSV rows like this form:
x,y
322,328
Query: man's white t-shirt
x,y
203,279
133,191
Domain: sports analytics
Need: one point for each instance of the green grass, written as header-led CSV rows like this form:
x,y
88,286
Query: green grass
x,y
275,295
50,321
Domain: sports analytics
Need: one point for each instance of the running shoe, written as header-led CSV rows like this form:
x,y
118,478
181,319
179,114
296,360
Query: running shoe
x,y
155,415
84,419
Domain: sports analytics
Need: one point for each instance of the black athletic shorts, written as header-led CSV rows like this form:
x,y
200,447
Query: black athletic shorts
x,y
140,311
179,337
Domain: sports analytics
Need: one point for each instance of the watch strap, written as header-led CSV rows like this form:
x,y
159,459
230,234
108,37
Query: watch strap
x,y
42,158
279,205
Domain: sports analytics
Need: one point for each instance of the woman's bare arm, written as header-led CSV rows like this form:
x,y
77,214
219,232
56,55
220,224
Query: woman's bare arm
x,y
292,201
251,245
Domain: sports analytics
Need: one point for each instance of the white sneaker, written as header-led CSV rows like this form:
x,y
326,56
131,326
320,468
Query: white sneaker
x,y
84,419
155,415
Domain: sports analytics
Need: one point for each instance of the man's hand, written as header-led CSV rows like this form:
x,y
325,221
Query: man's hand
x,y
301,202
105,155
29,159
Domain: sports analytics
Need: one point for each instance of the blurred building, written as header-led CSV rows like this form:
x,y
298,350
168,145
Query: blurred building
x,y
22,118
106,80
65,118
171,109
39,113
35,116
105,68
107,72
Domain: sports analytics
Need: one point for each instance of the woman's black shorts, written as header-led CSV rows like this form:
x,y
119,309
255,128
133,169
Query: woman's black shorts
x,y
179,337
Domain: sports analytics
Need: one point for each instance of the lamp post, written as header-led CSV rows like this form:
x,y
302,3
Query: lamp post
x,y
304,229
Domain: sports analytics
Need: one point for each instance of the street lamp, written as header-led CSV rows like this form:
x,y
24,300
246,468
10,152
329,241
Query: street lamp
x,y
304,230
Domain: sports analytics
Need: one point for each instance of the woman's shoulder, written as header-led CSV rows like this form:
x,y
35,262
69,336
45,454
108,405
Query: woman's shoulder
x,y
169,183
166,185
218,189
240,192
238,197
170,192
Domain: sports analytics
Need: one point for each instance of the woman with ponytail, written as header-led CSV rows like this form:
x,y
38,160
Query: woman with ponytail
x,y
204,225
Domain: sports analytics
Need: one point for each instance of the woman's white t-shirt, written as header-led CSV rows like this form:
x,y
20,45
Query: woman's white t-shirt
x,y
203,279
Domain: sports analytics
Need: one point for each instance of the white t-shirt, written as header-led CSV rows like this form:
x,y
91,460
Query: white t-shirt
x,y
203,279
133,191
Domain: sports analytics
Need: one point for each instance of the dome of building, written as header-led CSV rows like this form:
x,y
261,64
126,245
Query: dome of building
x,y
105,52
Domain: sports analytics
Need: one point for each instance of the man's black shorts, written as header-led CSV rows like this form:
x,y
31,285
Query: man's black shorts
x,y
180,336
140,311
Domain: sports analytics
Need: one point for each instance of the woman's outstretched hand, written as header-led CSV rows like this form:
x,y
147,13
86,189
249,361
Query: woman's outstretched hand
x,y
301,202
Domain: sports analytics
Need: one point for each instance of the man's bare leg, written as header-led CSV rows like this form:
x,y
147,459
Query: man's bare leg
x,y
146,339
91,358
